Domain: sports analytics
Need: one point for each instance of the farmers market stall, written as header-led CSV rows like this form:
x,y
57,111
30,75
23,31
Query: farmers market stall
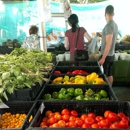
x,y
77,87
43,93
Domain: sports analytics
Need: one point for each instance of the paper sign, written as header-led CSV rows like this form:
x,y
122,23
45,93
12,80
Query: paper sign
x,y
2,105
67,8
42,108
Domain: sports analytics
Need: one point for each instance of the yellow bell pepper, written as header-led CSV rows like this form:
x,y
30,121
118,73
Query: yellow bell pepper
x,y
99,81
58,79
91,77
80,76
79,81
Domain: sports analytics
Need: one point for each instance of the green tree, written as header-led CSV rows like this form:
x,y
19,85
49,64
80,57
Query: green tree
x,y
82,1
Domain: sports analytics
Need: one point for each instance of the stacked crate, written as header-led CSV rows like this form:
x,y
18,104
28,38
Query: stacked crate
x,y
37,107
81,106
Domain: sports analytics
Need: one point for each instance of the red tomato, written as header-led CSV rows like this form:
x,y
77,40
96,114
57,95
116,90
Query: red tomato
x,y
58,116
65,118
89,120
85,126
62,123
112,117
50,115
48,112
67,124
99,118
72,124
56,112
79,122
91,114
74,113
72,118
125,118
65,112
51,121
44,119
120,115
106,113
95,125
114,125
43,124
83,116
55,125
103,123
123,124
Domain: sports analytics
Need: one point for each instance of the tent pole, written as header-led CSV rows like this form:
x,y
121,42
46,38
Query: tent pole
x,y
43,37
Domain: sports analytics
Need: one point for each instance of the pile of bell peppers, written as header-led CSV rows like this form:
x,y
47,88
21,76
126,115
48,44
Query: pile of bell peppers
x,y
76,94
72,72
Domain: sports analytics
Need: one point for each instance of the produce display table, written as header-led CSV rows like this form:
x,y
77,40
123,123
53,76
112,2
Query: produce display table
x,y
72,85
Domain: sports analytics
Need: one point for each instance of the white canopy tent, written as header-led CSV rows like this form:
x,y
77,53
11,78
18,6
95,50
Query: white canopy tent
x,y
45,15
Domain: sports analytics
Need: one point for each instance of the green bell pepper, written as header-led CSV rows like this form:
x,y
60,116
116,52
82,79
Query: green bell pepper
x,y
68,96
79,97
70,90
78,91
61,96
63,90
47,96
89,92
55,95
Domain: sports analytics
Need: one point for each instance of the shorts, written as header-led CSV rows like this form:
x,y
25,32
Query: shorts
x,y
108,64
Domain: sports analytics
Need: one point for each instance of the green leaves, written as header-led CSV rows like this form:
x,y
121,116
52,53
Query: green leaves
x,y
5,75
22,68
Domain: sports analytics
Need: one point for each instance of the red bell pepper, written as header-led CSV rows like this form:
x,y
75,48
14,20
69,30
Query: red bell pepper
x,y
79,72
82,72
68,72
75,72
57,72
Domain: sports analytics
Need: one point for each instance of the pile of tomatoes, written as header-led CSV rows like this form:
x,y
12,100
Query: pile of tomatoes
x,y
71,119
9,120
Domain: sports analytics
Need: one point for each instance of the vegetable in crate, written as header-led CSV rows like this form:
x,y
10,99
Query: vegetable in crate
x,y
73,119
57,72
76,94
94,78
9,120
17,71
57,80
79,72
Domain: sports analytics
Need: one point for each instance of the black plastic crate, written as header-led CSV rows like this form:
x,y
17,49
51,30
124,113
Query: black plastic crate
x,y
52,77
81,107
77,63
55,88
21,108
88,69
25,94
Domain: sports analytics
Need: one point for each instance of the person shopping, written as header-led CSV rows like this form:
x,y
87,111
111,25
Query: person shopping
x,y
109,36
71,36
32,42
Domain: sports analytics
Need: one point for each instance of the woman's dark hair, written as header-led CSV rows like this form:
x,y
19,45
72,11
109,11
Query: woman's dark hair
x,y
33,29
73,19
109,10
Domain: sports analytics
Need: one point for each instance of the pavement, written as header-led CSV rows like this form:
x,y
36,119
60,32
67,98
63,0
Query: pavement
x,y
122,92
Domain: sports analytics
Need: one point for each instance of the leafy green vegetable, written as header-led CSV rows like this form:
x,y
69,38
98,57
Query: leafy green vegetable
x,y
23,68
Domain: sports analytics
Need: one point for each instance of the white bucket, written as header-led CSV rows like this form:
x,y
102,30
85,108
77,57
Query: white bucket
x,y
116,56
61,57
123,56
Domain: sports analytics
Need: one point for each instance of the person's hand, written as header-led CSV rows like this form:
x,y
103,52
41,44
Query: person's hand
x,y
101,61
87,47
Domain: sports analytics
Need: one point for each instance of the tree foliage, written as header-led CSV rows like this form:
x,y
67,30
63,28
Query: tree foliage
x,y
82,1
